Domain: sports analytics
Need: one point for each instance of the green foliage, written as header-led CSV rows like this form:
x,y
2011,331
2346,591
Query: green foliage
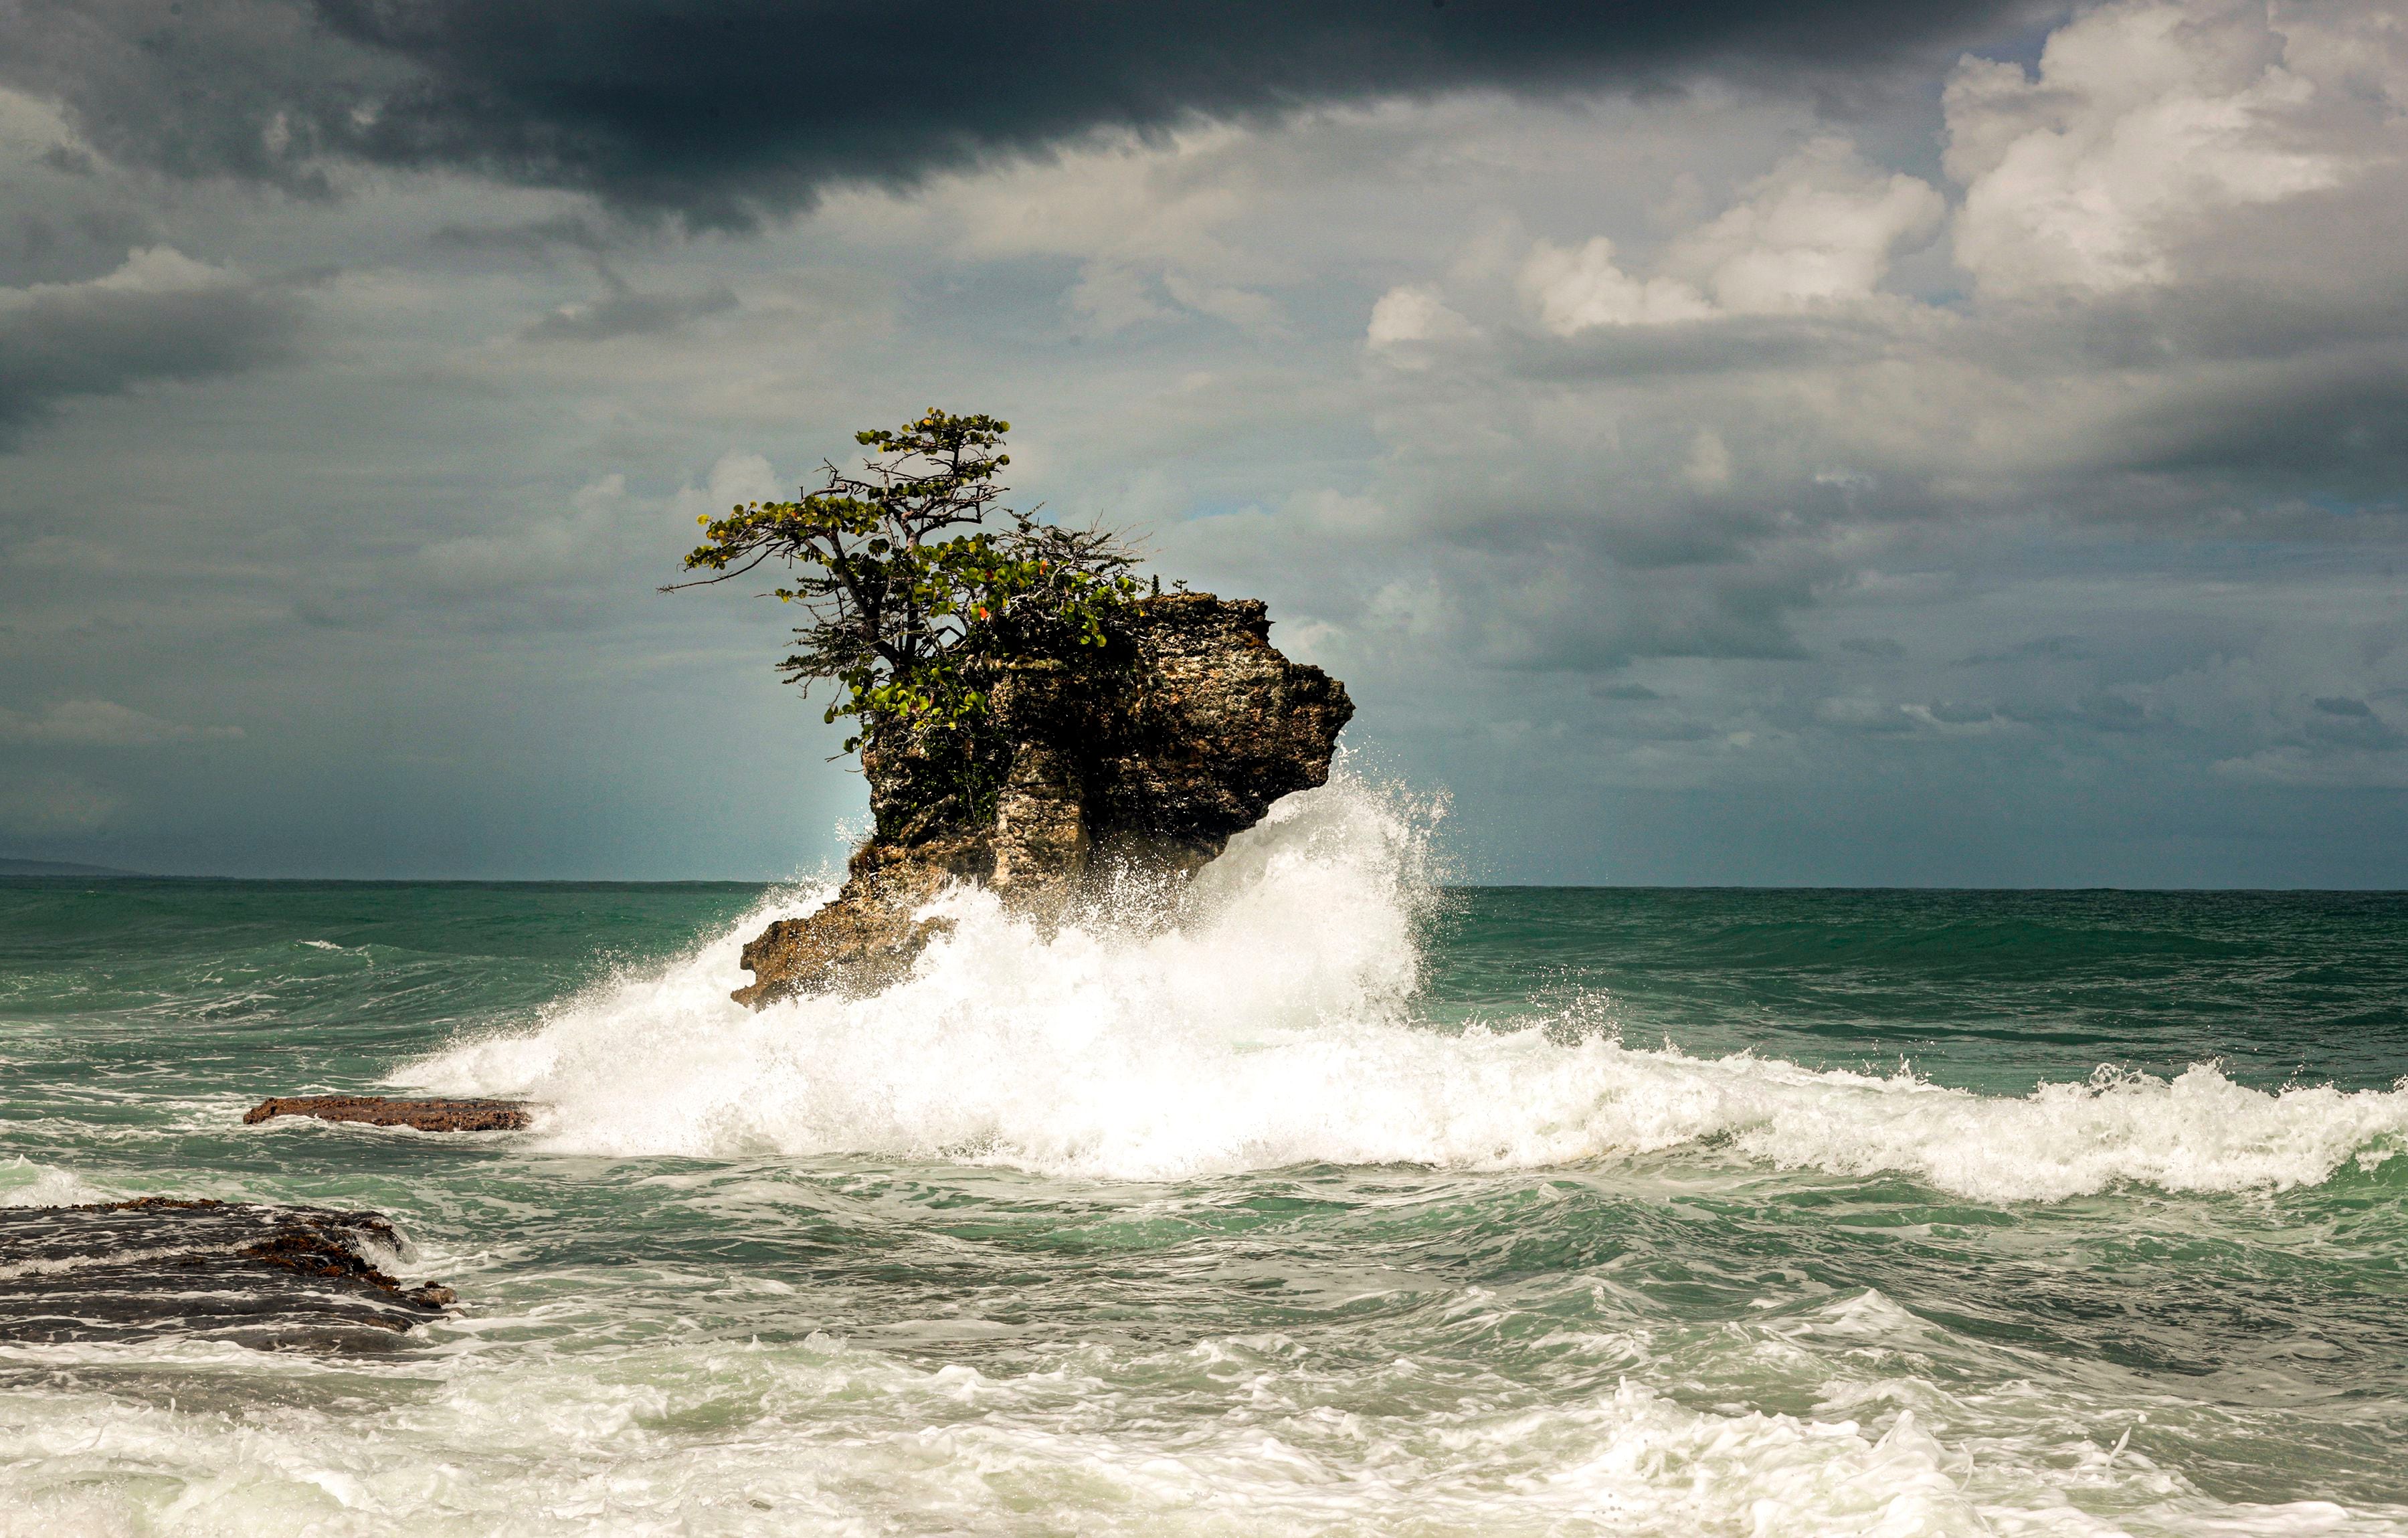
x,y
906,588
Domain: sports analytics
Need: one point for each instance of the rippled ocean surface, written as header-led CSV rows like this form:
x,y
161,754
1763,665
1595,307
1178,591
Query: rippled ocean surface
x,y
1348,1204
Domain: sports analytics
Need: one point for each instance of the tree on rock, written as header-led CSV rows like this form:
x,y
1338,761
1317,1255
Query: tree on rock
x,y
1026,722
912,574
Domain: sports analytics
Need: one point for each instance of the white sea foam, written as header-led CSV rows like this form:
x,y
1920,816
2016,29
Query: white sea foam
x,y
718,1437
1274,1027
26,1184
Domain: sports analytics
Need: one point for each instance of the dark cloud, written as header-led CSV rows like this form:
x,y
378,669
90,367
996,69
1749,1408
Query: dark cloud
x,y
94,338
253,89
723,111
2337,424
60,225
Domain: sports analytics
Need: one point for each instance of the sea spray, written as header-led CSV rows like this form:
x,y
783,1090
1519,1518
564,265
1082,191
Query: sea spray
x,y
24,1182
1274,1026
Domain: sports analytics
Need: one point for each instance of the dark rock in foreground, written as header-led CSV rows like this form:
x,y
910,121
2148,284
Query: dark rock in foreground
x,y
289,1278
427,1116
1139,757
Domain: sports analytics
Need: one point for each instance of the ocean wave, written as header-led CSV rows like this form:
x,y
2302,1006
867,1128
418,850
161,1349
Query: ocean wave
x,y
26,1184
1273,1027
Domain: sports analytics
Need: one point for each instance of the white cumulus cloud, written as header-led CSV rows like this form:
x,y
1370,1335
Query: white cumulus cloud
x,y
1822,227
1572,290
2143,120
1416,312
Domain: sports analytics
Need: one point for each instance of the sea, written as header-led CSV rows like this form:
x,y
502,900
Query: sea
x,y
1342,1200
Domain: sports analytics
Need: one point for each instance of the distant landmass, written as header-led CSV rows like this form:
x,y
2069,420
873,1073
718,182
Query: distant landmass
x,y
56,867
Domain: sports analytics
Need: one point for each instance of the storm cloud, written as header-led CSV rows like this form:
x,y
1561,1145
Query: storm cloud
x,y
726,111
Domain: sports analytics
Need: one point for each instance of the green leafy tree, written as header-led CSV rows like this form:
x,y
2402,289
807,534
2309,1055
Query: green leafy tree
x,y
914,579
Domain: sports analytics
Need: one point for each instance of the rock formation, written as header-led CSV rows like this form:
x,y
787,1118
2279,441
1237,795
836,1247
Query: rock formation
x,y
1139,757
295,1278
426,1116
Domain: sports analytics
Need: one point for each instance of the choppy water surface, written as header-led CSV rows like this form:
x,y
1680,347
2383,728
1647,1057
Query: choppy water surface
x,y
1345,1206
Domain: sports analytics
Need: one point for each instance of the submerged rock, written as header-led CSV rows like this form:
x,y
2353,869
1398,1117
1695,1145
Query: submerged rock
x,y
1141,758
427,1116
299,1278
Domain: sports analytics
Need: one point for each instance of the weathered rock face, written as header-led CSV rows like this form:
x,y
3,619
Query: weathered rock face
x,y
1141,758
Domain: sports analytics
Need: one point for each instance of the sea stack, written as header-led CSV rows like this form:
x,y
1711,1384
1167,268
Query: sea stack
x,y
1141,757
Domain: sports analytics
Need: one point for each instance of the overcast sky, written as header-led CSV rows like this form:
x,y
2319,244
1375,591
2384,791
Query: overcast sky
x,y
1843,442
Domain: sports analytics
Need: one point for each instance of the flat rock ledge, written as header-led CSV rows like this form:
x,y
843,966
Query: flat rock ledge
x,y
426,1116
279,1278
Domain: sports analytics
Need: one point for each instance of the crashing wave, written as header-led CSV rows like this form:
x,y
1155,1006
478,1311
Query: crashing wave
x,y
1274,1027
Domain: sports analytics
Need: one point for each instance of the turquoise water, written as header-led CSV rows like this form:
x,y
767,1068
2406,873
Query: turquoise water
x,y
1348,1204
